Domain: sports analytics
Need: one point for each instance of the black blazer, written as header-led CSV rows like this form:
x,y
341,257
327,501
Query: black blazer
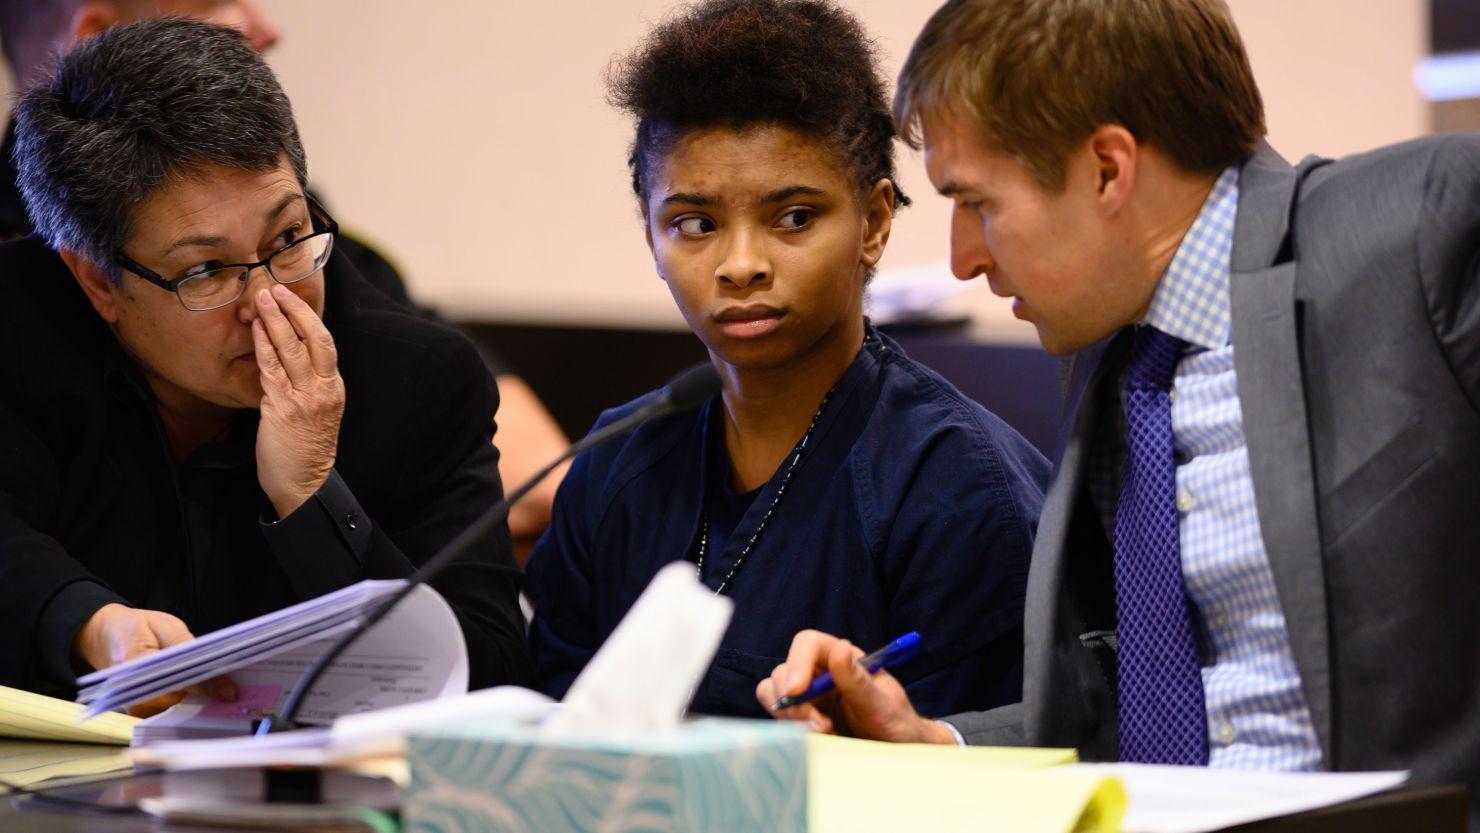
x,y
90,507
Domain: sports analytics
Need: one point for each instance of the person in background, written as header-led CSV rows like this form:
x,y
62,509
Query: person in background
x,y
1259,547
834,483
196,426
32,31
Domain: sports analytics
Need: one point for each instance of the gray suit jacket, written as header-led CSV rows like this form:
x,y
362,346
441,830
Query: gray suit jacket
x,y
1356,332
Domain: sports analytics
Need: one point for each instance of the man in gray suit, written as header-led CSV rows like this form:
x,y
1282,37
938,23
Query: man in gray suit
x,y
1261,548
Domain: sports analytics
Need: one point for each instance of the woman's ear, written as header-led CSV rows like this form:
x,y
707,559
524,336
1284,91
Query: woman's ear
x,y
878,218
100,291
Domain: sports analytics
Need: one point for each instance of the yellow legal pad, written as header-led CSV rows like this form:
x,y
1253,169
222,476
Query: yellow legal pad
x,y
862,785
38,717
24,763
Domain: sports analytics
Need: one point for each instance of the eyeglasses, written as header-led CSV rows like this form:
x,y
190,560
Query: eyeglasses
x,y
216,288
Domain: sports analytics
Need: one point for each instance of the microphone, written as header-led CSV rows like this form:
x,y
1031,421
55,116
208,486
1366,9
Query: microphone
x,y
686,391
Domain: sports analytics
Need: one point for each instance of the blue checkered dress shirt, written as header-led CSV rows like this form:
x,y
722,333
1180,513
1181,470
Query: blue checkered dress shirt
x,y
1257,715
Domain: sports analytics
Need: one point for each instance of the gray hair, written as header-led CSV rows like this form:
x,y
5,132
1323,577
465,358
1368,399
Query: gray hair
x,y
134,106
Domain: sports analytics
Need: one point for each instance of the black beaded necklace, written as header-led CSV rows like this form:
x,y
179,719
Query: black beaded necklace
x,y
871,341
791,469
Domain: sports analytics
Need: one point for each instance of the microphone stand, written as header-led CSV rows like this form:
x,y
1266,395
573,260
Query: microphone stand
x,y
689,389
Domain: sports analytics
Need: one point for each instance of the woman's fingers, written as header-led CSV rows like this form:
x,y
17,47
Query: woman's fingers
x,y
769,690
292,354
806,659
310,329
268,363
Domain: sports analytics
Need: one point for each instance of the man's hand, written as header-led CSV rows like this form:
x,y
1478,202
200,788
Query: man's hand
x,y
863,705
302,399
116,633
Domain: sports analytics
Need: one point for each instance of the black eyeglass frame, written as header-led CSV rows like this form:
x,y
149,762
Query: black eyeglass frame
x,y
324,224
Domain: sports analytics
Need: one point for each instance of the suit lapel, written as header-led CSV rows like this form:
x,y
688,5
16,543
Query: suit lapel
x,y
1043,694
1085,368
1271,389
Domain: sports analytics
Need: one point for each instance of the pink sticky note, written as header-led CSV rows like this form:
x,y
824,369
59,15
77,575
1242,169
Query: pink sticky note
x,y
251,701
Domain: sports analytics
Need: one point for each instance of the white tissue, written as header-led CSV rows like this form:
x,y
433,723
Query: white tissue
x,y
643,678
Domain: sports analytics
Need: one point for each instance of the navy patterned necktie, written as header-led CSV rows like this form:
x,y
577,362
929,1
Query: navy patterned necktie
x,y
1162,716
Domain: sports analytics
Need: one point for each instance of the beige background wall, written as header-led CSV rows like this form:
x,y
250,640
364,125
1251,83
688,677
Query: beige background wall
x,y
471,140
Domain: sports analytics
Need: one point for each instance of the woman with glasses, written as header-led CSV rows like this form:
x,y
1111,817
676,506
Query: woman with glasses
x,y
835,483
205,415
302,253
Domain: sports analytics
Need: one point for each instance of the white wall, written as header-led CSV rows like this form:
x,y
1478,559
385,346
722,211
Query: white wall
x,y
471,139
476,144
1337,75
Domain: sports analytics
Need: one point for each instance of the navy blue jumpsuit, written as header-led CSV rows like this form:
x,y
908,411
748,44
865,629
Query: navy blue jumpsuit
x,y
913,509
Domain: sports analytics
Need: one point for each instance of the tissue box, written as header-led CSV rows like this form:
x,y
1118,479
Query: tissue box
x,y
709,776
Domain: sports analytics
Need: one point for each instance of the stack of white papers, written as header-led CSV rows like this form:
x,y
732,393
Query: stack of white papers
x,y
222,651
197,717
416,653
353,737
1199,799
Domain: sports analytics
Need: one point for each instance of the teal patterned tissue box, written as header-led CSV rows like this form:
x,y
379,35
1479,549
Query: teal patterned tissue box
x,y
709,776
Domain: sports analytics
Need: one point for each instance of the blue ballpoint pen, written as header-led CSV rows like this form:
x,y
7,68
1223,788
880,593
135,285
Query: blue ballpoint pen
x,y
896,652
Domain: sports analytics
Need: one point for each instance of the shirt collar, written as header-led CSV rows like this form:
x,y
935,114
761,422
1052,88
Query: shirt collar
x,y
1191,300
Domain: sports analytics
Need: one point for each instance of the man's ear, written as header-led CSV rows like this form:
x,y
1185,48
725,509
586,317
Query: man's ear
x,y
91,18
878,218
100,291
1117,157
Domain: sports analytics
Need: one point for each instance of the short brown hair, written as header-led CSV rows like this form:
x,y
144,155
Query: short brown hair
x,y
1037,77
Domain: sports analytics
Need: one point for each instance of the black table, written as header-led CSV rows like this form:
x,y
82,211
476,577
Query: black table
x,y
1411,810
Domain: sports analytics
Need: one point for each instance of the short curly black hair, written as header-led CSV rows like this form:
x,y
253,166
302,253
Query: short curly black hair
x,y
806,65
